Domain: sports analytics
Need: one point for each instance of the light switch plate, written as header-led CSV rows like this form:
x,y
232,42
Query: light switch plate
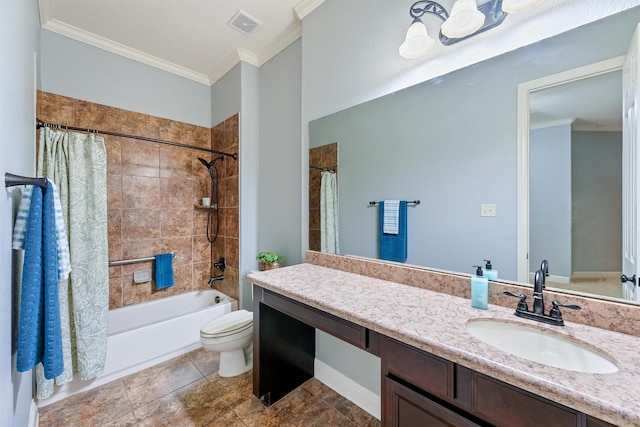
x,y
487,209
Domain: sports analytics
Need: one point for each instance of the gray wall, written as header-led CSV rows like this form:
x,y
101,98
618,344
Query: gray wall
x,y
225,96
19,40
550,199
249,169
280,155
81,71
597,201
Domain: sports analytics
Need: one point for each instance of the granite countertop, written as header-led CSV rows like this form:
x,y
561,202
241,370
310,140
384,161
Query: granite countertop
x,y
435,322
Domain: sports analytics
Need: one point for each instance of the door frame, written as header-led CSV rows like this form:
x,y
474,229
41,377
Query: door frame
x,y
524,90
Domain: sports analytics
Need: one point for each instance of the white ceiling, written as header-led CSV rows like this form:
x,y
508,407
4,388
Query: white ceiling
x,y
190,38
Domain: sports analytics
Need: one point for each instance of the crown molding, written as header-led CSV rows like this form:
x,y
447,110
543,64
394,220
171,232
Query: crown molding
x,y
45,7
305,7
552,123
292,34
122,50
224,67
247,56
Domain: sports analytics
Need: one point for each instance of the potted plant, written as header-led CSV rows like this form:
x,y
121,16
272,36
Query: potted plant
x,y
269,260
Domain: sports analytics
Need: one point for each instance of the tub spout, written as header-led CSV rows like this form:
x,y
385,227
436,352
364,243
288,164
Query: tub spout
x,y
215,279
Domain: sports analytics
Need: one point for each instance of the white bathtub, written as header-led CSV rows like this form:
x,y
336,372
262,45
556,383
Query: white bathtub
x,y
145,334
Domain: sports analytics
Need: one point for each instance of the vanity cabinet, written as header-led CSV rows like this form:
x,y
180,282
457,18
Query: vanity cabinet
x,y
423,389
418,388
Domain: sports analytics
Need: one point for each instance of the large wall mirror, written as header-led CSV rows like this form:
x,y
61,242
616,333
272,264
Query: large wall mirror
x,y
452,143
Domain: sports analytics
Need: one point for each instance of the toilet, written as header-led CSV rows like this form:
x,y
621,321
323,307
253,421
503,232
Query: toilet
x,y
232,336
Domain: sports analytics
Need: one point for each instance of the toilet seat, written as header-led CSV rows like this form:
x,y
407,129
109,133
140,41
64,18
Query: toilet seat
x,y
227,324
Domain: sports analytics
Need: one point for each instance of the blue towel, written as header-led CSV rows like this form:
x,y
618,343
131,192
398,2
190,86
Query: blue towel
x,y
164,271
393,247
39,331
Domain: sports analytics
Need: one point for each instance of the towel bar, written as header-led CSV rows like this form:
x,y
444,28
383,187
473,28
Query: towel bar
x,y
413,202
11,180
135,260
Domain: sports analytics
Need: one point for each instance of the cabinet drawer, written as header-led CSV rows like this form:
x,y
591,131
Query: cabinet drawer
x,y
508,406
408,408
339,328
426,371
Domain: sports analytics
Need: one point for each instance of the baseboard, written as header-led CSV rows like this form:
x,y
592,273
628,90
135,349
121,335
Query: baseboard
x,y
596,275
34,417
345,386
551,278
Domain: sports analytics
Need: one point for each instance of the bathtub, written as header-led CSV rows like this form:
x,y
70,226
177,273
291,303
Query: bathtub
x,y
145,334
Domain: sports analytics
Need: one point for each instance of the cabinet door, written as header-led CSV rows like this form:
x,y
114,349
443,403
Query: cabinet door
x,y
594,422
430,373
507,406
408,408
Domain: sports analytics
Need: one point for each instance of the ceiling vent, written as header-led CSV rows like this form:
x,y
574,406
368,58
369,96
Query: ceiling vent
x,y
243,22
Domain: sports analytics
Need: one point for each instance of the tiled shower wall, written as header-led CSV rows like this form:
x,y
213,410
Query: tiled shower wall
x,y
152,191
224,137
325,157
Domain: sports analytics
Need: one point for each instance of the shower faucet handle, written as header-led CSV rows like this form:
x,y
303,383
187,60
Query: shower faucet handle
x,y
221,264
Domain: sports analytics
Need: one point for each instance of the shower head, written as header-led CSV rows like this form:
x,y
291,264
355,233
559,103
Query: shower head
x,y
211,163
205,163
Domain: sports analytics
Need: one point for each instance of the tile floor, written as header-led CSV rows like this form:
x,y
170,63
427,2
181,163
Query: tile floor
x,y
187,391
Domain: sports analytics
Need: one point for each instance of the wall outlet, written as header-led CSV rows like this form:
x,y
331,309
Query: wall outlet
x,y
487,209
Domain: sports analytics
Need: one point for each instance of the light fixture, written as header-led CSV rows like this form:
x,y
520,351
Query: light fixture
x,y
466,20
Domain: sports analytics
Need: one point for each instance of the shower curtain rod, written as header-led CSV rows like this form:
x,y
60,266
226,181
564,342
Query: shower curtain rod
x,y
322,169
40,124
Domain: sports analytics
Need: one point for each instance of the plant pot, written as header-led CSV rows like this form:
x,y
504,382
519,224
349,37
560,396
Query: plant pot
x,y
264,266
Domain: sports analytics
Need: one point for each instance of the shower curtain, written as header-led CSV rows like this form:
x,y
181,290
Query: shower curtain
x,y
329,213
77,163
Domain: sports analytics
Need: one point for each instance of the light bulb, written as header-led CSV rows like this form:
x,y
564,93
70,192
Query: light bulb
x,y
417,42
465,19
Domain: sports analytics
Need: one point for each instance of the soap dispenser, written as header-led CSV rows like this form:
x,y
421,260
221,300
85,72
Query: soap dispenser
x,y
489,272
479,290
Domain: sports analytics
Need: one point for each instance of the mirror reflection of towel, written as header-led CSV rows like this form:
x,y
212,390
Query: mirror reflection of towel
x,y
164,271
393,247
391,216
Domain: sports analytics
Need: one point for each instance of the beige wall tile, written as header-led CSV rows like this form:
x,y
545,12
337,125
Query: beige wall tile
x,y
152,190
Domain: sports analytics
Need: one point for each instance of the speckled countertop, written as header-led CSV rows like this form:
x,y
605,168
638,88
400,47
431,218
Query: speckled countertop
x,y
435,322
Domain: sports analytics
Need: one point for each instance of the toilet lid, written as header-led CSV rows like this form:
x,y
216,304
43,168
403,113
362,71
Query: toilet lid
x,y
228,324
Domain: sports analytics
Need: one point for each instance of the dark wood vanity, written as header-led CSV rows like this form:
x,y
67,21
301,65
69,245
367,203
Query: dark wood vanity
x,y
418,388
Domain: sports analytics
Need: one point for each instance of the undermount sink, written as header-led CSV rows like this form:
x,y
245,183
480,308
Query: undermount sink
x,y
540,346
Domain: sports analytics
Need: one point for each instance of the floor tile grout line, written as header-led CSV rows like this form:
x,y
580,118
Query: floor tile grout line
x,y
133,411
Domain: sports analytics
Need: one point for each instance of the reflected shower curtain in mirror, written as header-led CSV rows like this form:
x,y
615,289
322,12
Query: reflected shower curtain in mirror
x,y
77,164
329,213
